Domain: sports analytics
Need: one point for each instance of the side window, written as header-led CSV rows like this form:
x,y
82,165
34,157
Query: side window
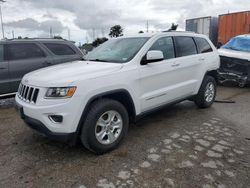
x,y
202,45
185,46
1,53
24,51
60,49
165,45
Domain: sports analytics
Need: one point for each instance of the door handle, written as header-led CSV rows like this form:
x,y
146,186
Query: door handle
x,y
2,68
202,59
175,64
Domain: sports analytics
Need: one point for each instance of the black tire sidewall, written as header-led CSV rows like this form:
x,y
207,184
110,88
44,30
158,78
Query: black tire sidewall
x,y
88,130
200,98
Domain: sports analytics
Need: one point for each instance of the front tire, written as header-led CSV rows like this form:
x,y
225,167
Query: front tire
x,y
105,126
207,93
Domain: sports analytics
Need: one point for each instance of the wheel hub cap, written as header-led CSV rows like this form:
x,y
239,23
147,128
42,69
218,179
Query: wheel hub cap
x,y
108,127
210,92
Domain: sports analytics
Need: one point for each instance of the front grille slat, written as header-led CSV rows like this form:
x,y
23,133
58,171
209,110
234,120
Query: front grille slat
x,y
27,93
30,94
35,95
24,87
21,89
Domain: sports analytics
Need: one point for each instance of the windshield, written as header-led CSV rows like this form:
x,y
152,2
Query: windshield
x,y
117,50
238,43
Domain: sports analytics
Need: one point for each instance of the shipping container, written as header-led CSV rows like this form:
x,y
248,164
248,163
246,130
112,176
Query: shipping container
x,y
233,24
204,25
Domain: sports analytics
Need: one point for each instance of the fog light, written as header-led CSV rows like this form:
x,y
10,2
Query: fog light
x,y
56,118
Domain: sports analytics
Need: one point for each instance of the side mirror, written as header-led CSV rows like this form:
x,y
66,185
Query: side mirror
x,y
152,56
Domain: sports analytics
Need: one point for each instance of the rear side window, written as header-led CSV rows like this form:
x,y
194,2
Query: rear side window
x,y
60,49
202,45
166,46
185,46
24,51
1,53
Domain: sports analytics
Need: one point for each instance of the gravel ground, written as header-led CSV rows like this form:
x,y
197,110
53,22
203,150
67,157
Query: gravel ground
x,y
180,146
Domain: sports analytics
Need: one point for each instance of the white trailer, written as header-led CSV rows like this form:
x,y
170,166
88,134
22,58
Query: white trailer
x,y
204,25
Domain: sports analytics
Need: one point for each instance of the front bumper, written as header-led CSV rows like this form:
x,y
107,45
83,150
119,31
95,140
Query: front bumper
x,y
234,70
242,80
41,128
38,126
68,109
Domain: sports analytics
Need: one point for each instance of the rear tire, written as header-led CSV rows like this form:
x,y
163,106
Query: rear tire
x,y
105,126
207,93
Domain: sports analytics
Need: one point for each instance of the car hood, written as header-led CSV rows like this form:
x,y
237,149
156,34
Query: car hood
x,y
234,54
65,74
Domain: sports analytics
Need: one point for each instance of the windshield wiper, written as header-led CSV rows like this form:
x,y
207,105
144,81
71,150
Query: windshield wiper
x,y
98,60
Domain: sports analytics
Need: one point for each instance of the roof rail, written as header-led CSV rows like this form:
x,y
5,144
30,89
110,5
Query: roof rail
x,y
36,38
178,31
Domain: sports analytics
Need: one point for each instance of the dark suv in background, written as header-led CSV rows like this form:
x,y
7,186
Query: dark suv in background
x,y
21,56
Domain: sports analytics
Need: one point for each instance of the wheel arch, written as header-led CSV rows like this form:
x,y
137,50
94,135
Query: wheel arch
x,y
120,95
213,73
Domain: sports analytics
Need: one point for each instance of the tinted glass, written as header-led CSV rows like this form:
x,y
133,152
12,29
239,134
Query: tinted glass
x,y
24,51
185,46
1,53
60,49
166,46
117,50
202,45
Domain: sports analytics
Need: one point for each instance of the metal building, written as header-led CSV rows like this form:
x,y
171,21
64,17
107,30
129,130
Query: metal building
x,y
204,25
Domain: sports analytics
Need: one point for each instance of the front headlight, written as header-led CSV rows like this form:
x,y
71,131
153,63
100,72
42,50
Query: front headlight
x,y
60,92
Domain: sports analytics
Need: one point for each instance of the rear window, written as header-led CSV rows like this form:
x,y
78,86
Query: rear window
x,y
202,45
185,46
60,49
24,51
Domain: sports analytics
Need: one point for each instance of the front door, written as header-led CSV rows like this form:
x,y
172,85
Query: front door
x,y
157,80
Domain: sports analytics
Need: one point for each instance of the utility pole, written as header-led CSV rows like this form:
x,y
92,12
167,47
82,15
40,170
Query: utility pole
x,y
13,34
50,32
68,34
1,15
147,26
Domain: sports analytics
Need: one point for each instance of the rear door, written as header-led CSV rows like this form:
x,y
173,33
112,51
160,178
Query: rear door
x,y
4,72
206,55
205,50
63,52
188,66
24,58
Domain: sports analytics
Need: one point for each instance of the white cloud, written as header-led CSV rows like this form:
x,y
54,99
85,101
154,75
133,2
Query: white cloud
x,y
82,16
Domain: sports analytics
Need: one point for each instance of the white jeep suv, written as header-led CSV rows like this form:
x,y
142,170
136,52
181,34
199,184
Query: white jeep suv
x,y
119,82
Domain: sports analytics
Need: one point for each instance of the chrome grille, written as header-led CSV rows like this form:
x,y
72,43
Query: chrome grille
x,y
27,93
